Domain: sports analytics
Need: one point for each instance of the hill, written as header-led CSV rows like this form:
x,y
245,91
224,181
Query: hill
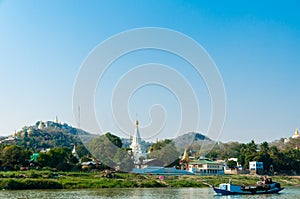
x,y
192,140
47,134
286,143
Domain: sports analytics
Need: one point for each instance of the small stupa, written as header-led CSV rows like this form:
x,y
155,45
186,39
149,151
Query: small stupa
x,y
15,134
56,119
74,153
40,125
296,134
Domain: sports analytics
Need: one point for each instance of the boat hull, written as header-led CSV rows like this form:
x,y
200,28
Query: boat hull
x,y
226,192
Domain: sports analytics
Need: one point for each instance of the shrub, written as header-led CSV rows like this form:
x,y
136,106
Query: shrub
x,y
33,174
151,183
13,184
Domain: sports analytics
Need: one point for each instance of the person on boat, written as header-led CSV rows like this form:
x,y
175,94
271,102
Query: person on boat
x,y
265,180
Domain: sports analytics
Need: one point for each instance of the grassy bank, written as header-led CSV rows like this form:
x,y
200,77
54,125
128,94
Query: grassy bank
x,y
72,180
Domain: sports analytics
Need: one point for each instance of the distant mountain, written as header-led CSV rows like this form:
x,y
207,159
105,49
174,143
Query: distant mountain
x,y
192,140
47,134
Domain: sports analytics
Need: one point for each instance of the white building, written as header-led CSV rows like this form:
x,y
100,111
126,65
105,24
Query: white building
x,y
136,144
206,166
256,167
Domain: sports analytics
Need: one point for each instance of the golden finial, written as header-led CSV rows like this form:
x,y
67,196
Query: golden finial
x,y
185,158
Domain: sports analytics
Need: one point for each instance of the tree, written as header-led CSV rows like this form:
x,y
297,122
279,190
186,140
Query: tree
x,y
105,148
164,151
247,153
53,158
277,157
159,145
15,156
224,151
82,151
215,153
123,160
232,164
264,148
43,159
114,139
264,156
241,160
292,160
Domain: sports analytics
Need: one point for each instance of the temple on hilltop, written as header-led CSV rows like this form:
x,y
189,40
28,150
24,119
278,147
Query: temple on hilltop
x,y
41,125
56,119
296,134
136,144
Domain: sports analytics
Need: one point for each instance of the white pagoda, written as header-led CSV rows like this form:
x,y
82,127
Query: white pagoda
x,y
136,144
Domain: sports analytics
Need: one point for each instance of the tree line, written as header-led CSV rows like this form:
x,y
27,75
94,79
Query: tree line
x,y
282,159
105,151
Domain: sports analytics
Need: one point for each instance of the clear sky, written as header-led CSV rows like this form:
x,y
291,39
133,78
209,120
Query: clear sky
x,y
255,45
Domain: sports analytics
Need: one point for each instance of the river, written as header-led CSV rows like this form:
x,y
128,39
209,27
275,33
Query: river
x,y
144,193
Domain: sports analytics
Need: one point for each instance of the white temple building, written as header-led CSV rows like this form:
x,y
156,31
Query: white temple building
x,y
136,144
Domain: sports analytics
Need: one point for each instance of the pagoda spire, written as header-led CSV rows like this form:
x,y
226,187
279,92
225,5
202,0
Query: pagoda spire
x,y
185,159
136,143
56,119
74,153
296,134
40,125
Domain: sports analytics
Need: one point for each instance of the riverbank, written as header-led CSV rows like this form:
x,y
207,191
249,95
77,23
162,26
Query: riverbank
x,y
13,180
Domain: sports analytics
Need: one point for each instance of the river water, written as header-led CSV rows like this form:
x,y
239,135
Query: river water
x,y
144,193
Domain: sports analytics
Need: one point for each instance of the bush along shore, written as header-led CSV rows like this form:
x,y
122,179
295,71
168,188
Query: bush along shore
x,y
14,180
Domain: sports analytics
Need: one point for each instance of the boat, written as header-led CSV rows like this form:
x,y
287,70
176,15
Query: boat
x,y
260,188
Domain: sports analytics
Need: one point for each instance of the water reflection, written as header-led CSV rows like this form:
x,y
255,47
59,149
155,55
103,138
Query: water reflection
x,y
143,193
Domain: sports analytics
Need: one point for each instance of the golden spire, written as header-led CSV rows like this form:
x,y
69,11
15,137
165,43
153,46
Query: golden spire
x,y
136,122
296,134
15,134
185,158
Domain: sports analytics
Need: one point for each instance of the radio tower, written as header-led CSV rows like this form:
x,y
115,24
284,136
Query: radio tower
x,y
78,116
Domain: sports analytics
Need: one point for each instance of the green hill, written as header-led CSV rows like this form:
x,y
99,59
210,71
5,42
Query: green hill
x,y
47,134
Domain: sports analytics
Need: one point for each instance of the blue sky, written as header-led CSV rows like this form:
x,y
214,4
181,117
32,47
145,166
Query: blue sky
x,y
255,45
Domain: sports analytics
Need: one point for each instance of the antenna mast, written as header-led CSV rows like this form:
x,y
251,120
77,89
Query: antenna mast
x,y
78,116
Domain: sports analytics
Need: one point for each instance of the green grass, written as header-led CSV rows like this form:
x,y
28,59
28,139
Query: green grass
x,y
73,180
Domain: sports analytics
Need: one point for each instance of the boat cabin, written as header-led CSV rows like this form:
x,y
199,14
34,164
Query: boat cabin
x,y
260,188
